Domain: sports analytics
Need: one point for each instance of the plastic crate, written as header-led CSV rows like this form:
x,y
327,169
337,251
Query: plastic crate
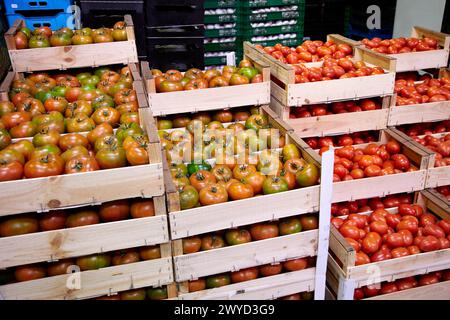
x,y
218,33
215,4
356,34
224,46
170,13
247,17
269,3
264,31
286,42
61,20
15,6
176,31
220,18
215,61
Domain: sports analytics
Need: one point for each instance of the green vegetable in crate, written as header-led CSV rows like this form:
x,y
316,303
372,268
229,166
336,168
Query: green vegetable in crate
x,y
188,197
194,167
38,42
43,96
256,122
248,72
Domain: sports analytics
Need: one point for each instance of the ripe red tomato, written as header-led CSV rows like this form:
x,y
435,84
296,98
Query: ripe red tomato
x,y
114,210
295,264
371,243
270,269
361,258
429,243
52,220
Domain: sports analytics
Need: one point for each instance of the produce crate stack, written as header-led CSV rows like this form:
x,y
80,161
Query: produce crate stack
x,y
97,253
420,272
321,108
270,22
54,14
175,34
96,14
214,265
221,31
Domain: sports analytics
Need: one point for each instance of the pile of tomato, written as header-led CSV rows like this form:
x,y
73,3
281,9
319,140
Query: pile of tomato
x,y
440,146
308,51
429,90
343,140
299,296
418,129
256,232
366,205
44,37
445,191
401,284
400,45
371,161
383,235
201,184
60,219
249,274
194,79
318,110
68,103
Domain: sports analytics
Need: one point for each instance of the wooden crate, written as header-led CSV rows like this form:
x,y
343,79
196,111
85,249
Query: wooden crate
x,y
419,113
390,184
92,239
268,288
90,188
239,213
344,276
207,99
288,93
414,61
89,55
336,124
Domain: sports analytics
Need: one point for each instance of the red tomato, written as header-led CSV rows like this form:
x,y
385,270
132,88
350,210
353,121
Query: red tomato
x,y
371,243
406,283
389,287
429,243
362,258
349,231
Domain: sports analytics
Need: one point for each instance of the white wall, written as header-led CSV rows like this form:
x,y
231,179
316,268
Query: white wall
x,y
423,13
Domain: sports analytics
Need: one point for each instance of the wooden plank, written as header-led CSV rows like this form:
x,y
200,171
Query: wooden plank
x,y
89,284
243,212
379,186
277,107
235,258
436,203
80,189
279,94
437,177
342,89
339,124
259,289
437,291
443,39
415,61
6,85
343,251
209,99
419,113
339,39
80,241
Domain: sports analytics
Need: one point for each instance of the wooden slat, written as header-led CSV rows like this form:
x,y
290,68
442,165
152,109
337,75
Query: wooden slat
x,y
93,283
80,189
379,186
259,289
338,39
438,177
234,258
436,203
6,85
381,60
438,291
243,212
75,242
344,252
342,89
419,113
415,61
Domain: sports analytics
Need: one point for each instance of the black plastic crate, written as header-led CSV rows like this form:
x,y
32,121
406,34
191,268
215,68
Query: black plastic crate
x,y
177,12
184,31
101,13
175,53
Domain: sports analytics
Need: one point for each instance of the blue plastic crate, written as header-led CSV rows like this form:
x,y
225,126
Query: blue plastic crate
x,y
55,22
12,6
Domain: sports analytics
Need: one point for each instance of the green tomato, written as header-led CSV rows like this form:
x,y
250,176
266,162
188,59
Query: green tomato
x,y
88,87
308,176
179,168
193,167
100,71
274,184
248,72
26,31
93,80
83,75
59,91
128,129
157,293
256,122
188,197
43,95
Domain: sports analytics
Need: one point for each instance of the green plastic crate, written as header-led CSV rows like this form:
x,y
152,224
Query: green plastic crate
x,y
215,4
246,18
215,61
265,31
225,18
225,46
218,33
269,3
